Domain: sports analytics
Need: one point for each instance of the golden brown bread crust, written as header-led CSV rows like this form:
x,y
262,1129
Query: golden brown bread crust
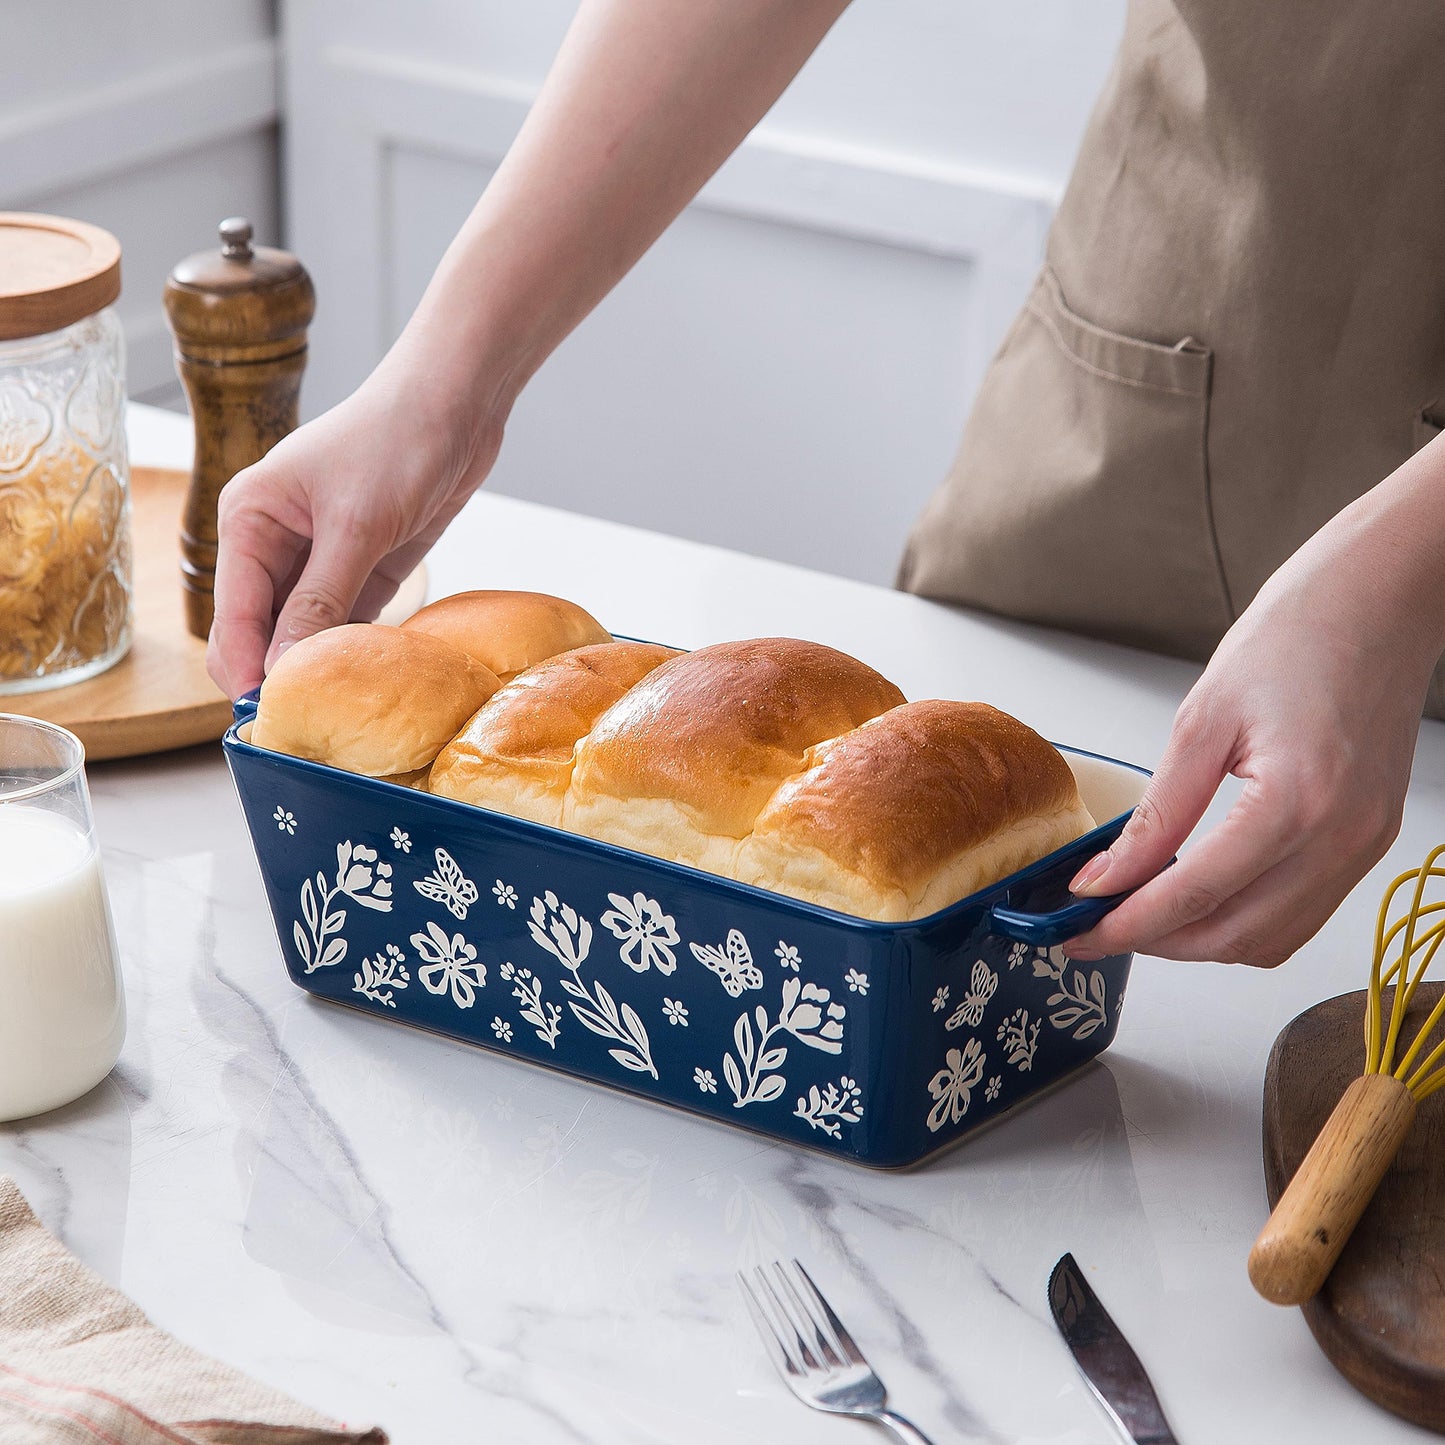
x,y
368,698
707,737
515,755
913,810
508,632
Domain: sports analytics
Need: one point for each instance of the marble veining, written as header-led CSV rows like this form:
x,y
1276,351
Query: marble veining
x,y
461,1246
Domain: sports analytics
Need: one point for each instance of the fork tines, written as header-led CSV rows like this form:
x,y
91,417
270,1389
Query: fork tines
x,y
798,1324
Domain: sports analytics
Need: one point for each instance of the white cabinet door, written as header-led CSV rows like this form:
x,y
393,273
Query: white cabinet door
x,y
153,118
787,371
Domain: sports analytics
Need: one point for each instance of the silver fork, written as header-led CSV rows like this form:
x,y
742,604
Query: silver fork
x,y
813,1352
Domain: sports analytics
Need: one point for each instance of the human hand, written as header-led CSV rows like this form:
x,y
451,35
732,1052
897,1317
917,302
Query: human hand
x,y
323,529
1313,698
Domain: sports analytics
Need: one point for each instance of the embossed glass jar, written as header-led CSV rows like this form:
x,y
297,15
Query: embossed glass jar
x,y
65,552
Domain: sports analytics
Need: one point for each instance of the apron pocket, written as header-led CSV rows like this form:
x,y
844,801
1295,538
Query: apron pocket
x,y
1080,495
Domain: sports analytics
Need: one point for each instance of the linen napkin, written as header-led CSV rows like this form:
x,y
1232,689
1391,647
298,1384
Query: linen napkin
x,y
81,1365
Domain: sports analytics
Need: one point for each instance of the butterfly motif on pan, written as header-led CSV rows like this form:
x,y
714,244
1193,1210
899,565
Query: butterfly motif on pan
x,y
732,962
448,885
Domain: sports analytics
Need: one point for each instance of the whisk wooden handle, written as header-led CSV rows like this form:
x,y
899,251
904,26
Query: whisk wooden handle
x,y
1299,1245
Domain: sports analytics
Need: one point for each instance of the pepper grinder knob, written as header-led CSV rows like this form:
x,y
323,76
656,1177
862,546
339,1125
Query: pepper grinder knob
x,y
236,238
239,317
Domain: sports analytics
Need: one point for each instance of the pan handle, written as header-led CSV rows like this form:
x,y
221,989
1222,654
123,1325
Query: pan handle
x,y
244,707
1044,930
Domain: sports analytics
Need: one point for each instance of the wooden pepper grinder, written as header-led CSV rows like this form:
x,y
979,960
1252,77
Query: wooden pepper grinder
x,y
239,316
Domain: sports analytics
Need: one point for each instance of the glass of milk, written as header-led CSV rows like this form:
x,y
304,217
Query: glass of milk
x,y
62,1010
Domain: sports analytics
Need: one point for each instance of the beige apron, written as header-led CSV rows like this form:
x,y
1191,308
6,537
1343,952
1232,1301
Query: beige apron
x,y
1239,329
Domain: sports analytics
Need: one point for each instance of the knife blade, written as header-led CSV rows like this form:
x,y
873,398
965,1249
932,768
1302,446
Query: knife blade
x,y
1105,1358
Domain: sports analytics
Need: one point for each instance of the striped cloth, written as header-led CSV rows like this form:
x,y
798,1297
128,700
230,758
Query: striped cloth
x,y
81,1365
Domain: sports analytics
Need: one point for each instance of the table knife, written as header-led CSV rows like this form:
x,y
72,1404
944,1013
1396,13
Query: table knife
x,y
1105,1358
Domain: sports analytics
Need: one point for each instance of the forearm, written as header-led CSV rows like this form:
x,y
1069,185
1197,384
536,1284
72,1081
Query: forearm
x,y
1387,552
645,100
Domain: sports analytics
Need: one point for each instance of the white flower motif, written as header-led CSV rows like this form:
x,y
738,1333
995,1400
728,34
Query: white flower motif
x,y
361,878
285,821
502,1029
401,840
507,970
505,894
1018,954
647,933
940,999
560,929
857,982
705,1080
451,964
991,1089
676,1013
381,976
952,1086
787,955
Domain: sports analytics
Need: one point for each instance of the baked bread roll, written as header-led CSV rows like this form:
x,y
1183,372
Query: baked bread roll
x,y
914,810
516,754
370,699
508,632
681,766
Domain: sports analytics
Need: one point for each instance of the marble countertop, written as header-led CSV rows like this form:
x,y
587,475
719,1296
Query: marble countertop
x,y
459,1246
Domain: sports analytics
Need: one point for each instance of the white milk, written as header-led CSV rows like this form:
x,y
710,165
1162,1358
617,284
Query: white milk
x,y
62,1014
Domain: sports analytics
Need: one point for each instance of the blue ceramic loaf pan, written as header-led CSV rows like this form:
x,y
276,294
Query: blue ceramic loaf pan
x,y
879,1042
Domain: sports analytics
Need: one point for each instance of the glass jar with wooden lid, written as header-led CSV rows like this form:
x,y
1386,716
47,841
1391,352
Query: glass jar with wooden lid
x,y
65,560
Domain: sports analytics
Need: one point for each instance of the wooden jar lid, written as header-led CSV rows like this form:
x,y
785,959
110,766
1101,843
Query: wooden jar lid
x,y
53,273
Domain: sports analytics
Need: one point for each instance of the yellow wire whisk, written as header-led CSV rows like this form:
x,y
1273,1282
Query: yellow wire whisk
x,y
1299,1245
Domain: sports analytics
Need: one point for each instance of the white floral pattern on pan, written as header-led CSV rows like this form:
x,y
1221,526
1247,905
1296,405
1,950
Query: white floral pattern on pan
x,y
451,965
754,1067
544,1016
1020,1039
379,977
1050,963
1082,1004
360,878
832,1106
564,933
807,1014
731,961
647,933
285,821
953,1085
449,886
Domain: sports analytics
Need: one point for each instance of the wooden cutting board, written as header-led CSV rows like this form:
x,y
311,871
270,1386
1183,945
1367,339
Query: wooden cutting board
x,y
1380,1318
158,696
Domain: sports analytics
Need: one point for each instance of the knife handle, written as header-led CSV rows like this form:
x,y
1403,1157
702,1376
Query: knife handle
x,y
1310,1225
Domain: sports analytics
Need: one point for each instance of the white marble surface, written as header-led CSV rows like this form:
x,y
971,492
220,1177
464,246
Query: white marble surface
x,y
462,1247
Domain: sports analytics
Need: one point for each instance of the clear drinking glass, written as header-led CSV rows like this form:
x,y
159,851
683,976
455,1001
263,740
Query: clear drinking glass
x,y
62,1008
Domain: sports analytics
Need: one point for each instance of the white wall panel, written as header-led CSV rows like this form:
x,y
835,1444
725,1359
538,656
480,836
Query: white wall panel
x,y
153,118
788,370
